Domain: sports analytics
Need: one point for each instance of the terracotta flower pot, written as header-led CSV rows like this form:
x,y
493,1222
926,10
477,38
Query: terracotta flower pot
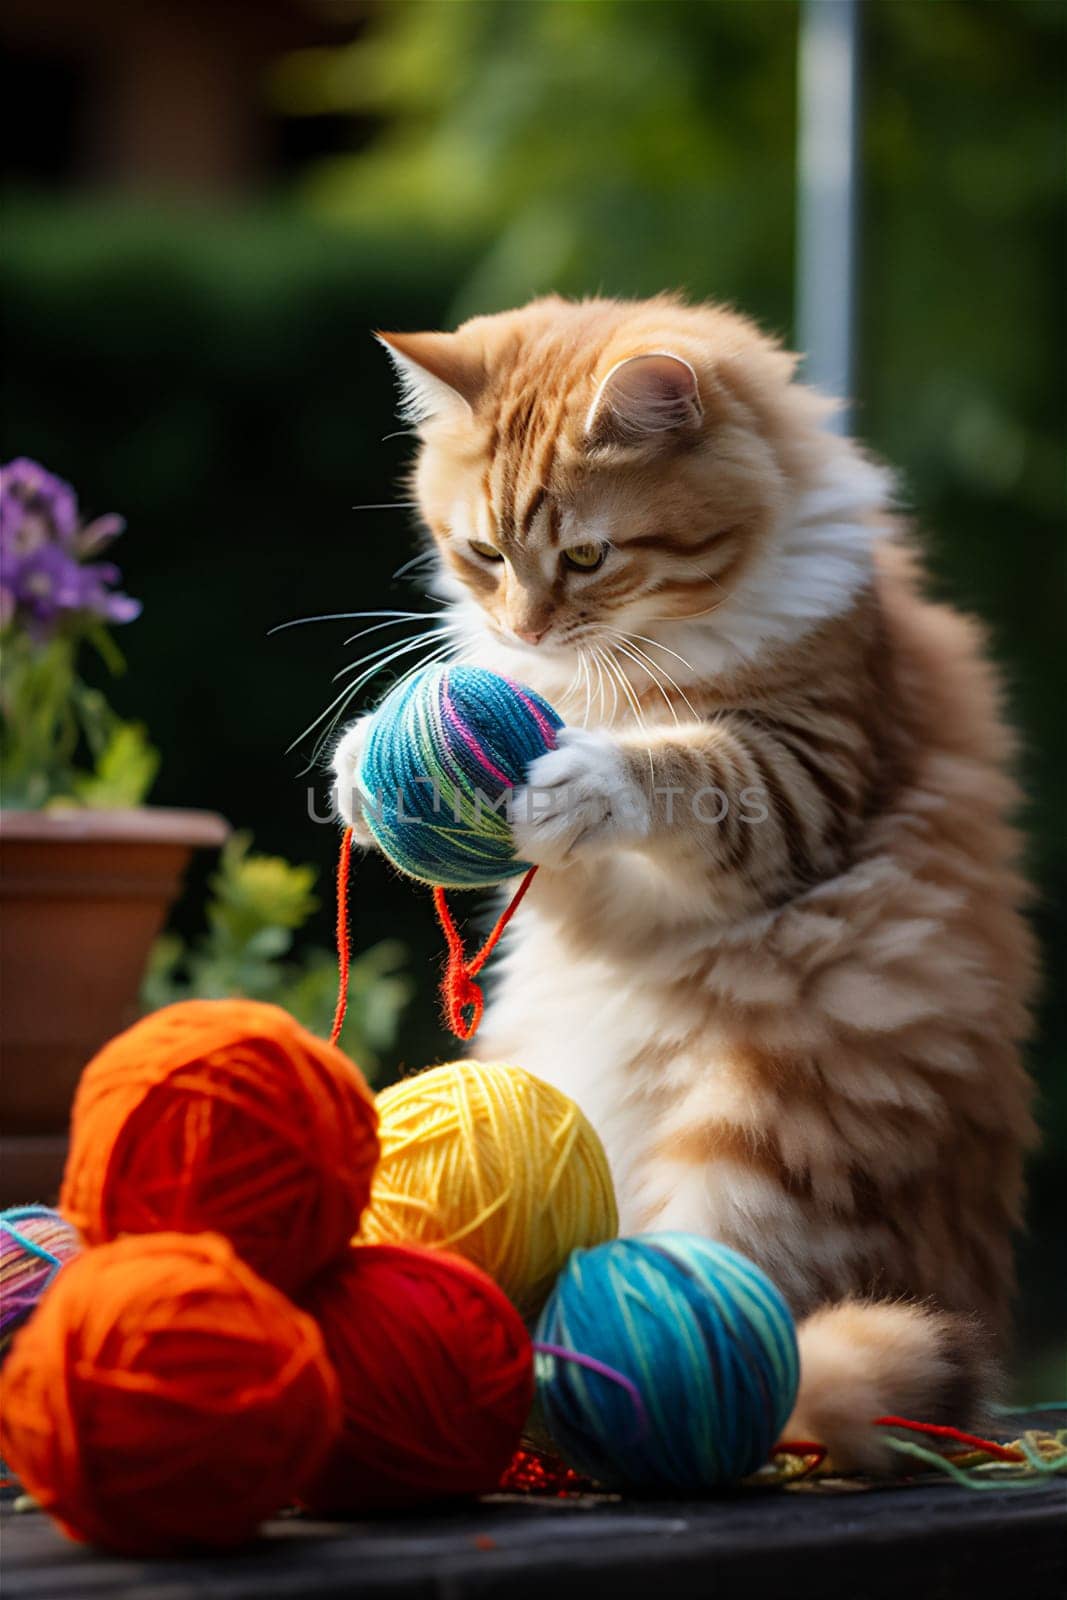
x,y
83,894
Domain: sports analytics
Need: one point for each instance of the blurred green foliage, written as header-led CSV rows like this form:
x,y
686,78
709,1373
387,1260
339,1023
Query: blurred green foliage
x,y
61,744
212,375
577,140
124,772
257,904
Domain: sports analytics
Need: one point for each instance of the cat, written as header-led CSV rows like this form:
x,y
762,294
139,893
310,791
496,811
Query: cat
x,y
776,948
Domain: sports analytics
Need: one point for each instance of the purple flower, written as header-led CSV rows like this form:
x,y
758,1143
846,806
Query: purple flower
x,y
31,495
98,533
43,547
48,581
110,604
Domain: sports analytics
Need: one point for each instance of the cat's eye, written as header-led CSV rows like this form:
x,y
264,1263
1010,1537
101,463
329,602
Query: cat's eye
x,y
487,552
585,557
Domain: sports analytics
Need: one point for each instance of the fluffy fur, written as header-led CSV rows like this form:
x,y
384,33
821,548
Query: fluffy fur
x,y
796,1024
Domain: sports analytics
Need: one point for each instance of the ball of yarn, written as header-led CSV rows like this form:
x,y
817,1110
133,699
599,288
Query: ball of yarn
x,y
164,1397
436,1374
494,1164
444,751
224,1116
35,1242
699,1332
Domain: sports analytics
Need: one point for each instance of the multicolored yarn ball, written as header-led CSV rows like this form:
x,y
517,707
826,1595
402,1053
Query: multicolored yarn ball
x,y
165,1397
687,1364
494,1164
35,1242
226,1116
436,1372
444,751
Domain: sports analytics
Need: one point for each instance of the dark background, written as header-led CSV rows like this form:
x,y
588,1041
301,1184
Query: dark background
x,y
210,205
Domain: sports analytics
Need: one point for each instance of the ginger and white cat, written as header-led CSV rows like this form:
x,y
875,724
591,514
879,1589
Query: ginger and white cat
x,y
775,948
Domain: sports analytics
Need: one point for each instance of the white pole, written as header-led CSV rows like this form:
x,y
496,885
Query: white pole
x,y
827,193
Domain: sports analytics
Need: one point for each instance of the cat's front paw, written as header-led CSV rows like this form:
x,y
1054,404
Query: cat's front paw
x,y
346,793
580,796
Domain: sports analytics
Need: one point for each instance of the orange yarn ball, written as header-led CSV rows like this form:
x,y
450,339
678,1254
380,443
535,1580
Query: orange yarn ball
x,y
163,1396
228,1116
436,1373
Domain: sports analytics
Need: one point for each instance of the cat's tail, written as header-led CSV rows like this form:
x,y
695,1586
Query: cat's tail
x,y
862,1359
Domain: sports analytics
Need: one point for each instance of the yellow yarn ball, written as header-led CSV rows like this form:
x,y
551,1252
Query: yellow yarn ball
x,y
494,1164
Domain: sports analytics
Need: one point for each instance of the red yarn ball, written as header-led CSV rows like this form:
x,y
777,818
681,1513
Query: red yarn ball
x,y
226,1116
436,1372
163,1396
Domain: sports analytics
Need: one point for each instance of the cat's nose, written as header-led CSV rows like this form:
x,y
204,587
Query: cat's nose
x,y
531,635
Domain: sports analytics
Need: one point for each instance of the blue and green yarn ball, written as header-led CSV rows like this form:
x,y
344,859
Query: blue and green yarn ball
x,y
706,1339
445,750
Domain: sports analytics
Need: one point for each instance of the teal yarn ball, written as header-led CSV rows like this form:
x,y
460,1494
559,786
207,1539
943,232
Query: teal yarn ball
x,y
445,749
701,1335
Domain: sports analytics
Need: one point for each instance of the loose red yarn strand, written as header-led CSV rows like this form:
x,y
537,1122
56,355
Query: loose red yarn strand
x,y
459,992
461,997
344,866
938,1430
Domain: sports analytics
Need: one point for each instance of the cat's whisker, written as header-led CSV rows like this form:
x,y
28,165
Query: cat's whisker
x,y
340,700
423,636
650,674
661,672
577,681
392,622
416,561
434,625
635,707
620,679
441,654
608,679
647,639
569,690
346,694
708,576
665,677
590,667
584,665
601,701
340,616
388,505
691,616
390,652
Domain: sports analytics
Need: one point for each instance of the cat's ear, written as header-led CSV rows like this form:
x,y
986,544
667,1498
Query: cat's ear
x,y
437,373
643,397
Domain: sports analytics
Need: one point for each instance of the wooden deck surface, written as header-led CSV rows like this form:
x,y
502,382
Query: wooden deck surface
x,y
926,1542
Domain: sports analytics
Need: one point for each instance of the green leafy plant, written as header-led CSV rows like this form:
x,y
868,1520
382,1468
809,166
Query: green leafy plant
x,y
258,903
